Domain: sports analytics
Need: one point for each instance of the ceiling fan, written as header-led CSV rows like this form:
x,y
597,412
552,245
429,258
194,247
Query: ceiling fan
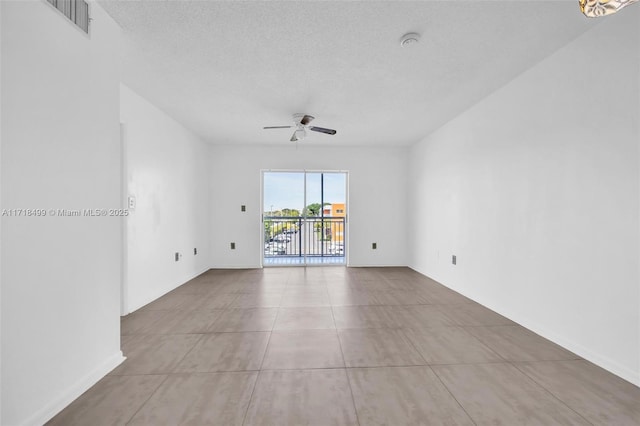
x,y
301,122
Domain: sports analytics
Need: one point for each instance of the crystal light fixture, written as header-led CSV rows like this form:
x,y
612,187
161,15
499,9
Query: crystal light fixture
x,y
597,8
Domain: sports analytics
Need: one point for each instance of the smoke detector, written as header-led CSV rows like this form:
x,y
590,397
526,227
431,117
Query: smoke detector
x,y
409,39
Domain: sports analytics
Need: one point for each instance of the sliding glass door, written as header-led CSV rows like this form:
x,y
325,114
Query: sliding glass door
x,y
304,217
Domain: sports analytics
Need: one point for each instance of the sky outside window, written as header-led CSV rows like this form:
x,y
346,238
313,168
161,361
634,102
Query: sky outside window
x,y
284,190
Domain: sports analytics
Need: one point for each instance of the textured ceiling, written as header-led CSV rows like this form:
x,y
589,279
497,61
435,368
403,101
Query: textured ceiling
x,y
226,69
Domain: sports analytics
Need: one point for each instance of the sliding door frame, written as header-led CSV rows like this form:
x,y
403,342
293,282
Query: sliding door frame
x,y
346,237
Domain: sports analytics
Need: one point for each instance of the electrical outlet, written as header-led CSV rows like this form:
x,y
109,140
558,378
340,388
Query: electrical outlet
x,y
195,251
374,246
233,246
454,259
131,202
177,256
243,208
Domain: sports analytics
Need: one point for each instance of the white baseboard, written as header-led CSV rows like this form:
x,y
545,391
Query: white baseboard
x,y
69,395
602,361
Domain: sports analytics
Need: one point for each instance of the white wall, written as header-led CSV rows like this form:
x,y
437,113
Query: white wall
x,y
377,199
167,172
60,150
536,190
1,207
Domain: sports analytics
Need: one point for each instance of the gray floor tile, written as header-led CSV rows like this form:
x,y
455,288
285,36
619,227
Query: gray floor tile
x,y
315,289
473,314
362,317
599,396
377,347
403,396
303,349
420,316
140,322
440,295
403,284
399,297
208,287
254,319
302,397
175,300
111,401
155,354
215,301
499,394
450,345
258,300
353,298
373,286
305,299
185,321
260,288
226,352
309,318
199,399
516,343
174,321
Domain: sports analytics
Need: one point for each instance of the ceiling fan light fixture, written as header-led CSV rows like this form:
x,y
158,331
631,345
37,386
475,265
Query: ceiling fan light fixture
x,y
301,133
597,8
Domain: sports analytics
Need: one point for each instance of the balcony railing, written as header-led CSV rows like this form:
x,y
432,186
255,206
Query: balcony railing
x,y
299,236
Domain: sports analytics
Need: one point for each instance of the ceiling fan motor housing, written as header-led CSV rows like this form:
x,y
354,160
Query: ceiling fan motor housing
x,y
298,118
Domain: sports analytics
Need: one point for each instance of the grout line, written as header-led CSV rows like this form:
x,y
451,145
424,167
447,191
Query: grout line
x,y
353,399
452,395
483,343
514,365
259,371
411,344
346,372
253,389
317,368
189,351
150,396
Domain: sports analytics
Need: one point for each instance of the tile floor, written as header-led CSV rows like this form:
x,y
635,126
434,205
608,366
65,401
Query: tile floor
x,y
341,346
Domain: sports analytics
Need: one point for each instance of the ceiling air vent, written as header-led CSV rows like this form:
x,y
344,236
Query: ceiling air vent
x,y
76,10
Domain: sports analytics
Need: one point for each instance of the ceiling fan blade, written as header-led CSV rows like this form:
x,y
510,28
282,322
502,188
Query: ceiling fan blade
x,y
294,137
277,127
323,130
306,120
